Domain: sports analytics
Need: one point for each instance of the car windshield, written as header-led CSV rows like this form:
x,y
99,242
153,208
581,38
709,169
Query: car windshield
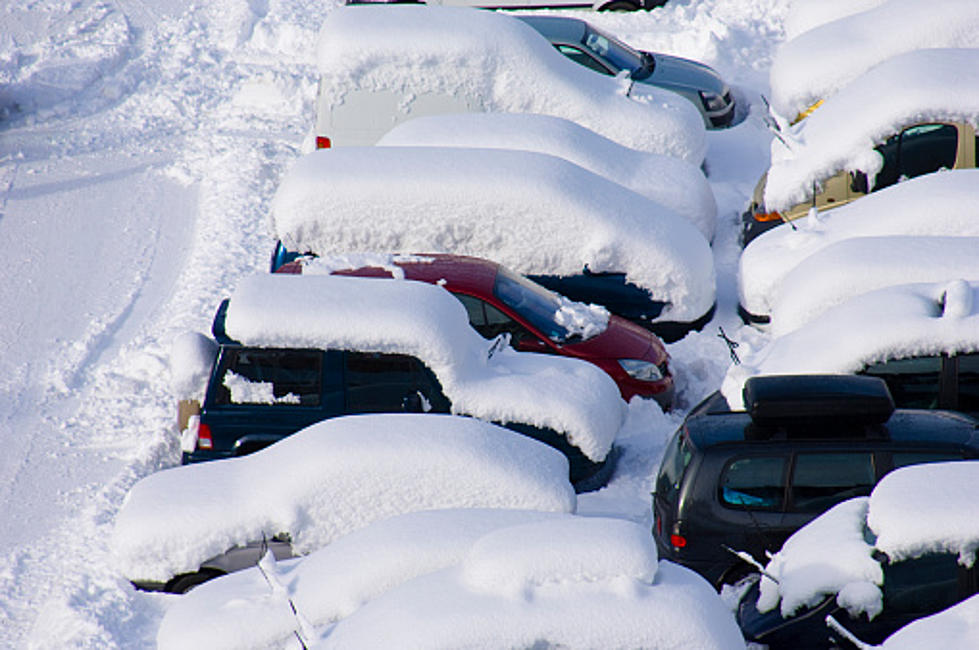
x,y
614,51
534,303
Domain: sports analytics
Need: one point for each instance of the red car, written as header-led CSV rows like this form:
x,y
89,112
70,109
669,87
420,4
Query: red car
x,y
501,301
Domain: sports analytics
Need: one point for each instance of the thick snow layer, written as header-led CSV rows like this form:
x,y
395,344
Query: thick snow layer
x,y
809,14
956,628
926,509
890,323
819,62
571,396
935,85
531,212
827,556
945,204
669,181
495,63
191,359
852,267
574,595
329,479
240,611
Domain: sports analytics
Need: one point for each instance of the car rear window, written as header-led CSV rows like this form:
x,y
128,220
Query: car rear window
x,y
756,482
271,377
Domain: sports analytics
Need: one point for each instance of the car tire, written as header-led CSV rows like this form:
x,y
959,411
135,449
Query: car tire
x,y
620,5
186,581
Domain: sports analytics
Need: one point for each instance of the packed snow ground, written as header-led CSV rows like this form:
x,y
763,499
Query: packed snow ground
x,y
140,146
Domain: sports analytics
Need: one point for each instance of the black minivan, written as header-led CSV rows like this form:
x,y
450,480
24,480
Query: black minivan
x,y
733,481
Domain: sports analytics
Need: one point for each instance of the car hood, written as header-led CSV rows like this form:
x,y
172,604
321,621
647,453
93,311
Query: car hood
x,y
684,73
622,339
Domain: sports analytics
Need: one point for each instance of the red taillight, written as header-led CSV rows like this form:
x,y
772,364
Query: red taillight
x,y
204,440
323,142
678,541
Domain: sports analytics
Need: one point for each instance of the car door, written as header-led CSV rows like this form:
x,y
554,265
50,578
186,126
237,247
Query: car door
x,y
390,383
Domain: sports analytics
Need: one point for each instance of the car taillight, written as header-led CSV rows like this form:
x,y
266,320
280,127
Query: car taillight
x,y
678,541
323,142
767,216
204,439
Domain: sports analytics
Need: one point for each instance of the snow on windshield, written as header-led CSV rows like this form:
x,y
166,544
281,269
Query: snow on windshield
x,y
499,64
938,85
819,62
329,479
670,181
530,212
945,204
891,323
571,396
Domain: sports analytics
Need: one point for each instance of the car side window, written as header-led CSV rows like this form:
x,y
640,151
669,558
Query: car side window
x,y
583,58
821,480
390,383
273,377
914,383
489,321
968,380
756,482
917,150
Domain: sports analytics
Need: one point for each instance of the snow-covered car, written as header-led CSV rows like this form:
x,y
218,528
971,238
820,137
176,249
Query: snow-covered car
x,y
597,5
956,628
297,349
836,42
743,480
873,563
381,65
655,176
176,527
539,215
604,53
498,301
944,205
922,339
867,137
580,582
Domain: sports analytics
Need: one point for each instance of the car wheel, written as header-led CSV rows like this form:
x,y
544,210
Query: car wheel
x,y
620,5
186,581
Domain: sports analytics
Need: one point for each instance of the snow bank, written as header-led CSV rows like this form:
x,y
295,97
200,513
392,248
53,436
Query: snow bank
x,y
956,628
945,204
580,583
808,14
498,64
329,479
528,211
240,611
827,556
891,323
934,85
941,497
671,182
852,267
822,60
571,396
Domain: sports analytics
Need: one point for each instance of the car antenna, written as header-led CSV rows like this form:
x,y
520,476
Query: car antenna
x,y
747,557
837,627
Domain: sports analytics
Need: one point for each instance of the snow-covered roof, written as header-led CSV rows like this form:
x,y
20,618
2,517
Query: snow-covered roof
x,y
891,323
672,182
914,510
579,582
422,320
804,15
531,212
240,611
499,64
330,479
945,204
919,86
822,60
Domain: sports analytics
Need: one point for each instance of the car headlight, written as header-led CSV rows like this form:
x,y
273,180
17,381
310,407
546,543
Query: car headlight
x,y
641,370
713,101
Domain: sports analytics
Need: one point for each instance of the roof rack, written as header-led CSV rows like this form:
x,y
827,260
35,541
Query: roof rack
x,y
773,400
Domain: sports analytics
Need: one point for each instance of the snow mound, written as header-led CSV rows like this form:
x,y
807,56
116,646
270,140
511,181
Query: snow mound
x,y
531,212
330,479
956,628
937,85
239,611
819,62
498,64
945,204
808,14
669,181
570,396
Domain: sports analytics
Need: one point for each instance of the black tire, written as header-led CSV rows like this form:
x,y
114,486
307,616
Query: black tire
x,y
620,5
186,581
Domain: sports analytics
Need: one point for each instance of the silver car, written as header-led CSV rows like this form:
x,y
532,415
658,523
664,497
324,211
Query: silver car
x,y
602,52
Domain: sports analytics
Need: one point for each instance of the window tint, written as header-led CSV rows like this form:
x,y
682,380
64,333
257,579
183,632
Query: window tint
x,y
821,480
272,377
968,383
386,383
583,58
913,383
757,482
675,461
926,584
